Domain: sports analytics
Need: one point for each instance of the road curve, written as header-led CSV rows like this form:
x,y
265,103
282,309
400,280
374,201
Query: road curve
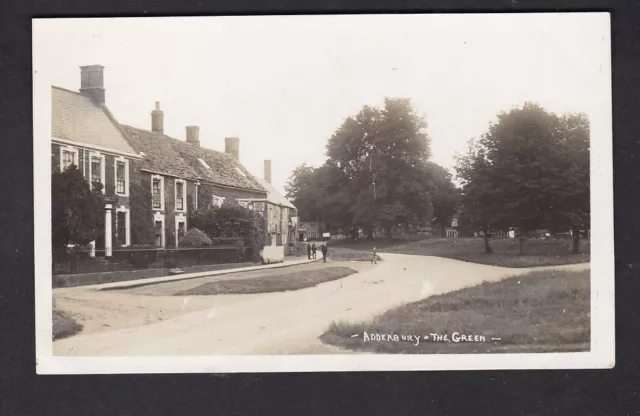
x,y
291,322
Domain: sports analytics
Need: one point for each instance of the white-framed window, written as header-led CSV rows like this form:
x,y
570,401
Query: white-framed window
x,y
217,201
68,157
157,192
158,226
181,227
97,169
121,169
123,226
180,189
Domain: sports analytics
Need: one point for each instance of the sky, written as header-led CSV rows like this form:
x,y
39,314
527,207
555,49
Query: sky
x,y
284,84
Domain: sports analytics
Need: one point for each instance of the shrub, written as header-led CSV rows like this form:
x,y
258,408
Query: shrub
x,y
195,238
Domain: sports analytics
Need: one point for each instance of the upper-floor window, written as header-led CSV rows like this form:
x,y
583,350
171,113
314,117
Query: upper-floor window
x,y
121,179
156,192
68,159
96,170
217,201
180,195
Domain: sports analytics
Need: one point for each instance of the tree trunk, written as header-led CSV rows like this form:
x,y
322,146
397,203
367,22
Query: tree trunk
x,y
576,241
521,245
370,232
388,232
443,232
487,247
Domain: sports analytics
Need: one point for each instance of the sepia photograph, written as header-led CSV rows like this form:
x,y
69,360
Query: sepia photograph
x,y
323,193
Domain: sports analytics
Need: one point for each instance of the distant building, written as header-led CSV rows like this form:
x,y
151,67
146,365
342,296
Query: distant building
x,y
281,217
310,230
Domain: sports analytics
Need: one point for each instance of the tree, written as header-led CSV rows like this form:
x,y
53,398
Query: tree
x,y
379,158
571,199
77,211
231,220
446,197
530,170
480,197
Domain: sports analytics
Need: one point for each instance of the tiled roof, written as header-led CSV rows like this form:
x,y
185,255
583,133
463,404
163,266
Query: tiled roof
x,y
274,196
174,157
76,118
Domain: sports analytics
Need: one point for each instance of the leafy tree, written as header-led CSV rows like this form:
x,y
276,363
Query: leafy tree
x,y
77,211
571,198
479,197
379,156
530,170
446,197
232,221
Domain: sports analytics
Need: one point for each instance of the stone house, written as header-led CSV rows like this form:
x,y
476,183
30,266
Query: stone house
x,y
281,217
85,134
183,176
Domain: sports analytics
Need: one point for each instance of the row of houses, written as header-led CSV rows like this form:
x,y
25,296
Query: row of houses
x,y
181,175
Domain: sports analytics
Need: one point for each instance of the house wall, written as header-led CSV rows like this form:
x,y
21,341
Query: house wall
x,y
206,192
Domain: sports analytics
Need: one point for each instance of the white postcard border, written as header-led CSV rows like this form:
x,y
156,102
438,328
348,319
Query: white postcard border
x,y
601,355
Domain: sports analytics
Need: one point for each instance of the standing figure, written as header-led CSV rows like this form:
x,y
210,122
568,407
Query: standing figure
x,y
374,258
324,252
309,251
313,249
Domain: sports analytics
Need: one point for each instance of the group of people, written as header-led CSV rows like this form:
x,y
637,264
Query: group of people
x,y
311,251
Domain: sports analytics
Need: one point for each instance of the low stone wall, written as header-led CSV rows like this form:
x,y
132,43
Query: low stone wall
x,y
273,254
84,279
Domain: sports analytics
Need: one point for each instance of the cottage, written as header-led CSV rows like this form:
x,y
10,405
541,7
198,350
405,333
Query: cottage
x,y
85,134
182,176
281,217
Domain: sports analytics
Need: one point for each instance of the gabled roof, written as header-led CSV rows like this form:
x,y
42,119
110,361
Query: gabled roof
x,y
273,195
169,156
76,118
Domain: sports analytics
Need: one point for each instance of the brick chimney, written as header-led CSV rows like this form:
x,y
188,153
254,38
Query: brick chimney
x,y
193,135
157,119
267,171
92,83
232,147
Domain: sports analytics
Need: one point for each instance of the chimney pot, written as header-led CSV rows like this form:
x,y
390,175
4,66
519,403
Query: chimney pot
x,y
157,119
232,147
92,83
193,135
267,171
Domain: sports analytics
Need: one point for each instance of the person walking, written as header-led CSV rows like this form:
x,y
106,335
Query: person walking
x,y
313,250
374,258
324,252
309,251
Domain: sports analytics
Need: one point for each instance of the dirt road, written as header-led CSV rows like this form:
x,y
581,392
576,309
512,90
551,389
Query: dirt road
x,y
287,322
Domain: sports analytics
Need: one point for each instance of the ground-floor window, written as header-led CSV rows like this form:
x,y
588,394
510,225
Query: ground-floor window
x,y
181,229
121,228
158,229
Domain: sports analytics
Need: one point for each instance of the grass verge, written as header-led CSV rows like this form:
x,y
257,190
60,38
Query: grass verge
x,y
64,325
270,283
348,254
543,311
537,253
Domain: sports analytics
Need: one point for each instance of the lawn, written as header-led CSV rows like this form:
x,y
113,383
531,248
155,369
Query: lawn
x,y
543,311
270,283
64,325
349,254
506,250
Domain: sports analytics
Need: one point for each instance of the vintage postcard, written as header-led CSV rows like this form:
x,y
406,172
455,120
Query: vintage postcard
x,y
323,193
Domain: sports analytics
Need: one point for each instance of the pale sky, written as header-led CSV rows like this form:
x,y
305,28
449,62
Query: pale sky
x,y
284,84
